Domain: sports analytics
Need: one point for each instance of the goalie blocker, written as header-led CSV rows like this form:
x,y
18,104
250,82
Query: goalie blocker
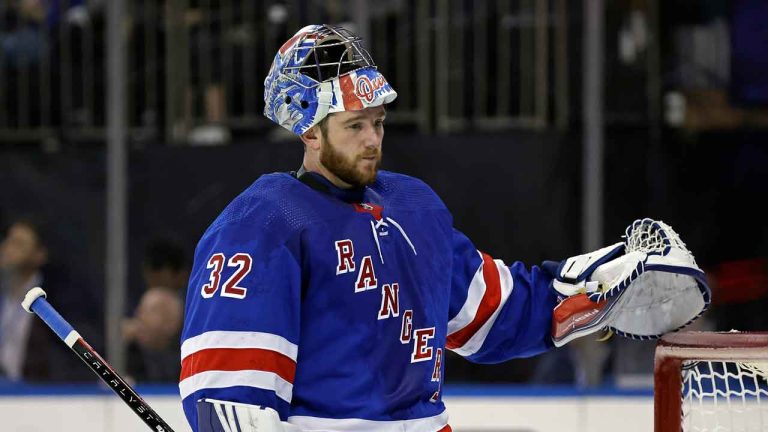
x,y
640,288
224,416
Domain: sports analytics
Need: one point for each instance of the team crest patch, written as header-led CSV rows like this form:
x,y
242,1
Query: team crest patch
x,y
372,209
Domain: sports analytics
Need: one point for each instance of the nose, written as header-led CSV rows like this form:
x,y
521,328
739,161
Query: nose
x,y
372,138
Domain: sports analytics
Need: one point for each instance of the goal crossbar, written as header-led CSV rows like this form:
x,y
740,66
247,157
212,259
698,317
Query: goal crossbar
x,y
674,349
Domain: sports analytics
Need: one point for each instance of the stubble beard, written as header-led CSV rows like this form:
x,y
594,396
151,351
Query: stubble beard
x,y
345,168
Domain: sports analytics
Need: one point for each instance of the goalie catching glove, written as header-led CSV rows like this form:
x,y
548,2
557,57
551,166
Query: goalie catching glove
x,y
641,288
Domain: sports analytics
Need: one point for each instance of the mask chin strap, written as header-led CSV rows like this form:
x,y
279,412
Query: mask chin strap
x,y
324,98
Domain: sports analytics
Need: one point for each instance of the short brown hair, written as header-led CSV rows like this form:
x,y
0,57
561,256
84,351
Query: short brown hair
x,y
36,225
323,125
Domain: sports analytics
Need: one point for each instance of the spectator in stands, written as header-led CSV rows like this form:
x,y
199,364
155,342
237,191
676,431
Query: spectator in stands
x,y
23,48
21,41
153,331
207,40
22,256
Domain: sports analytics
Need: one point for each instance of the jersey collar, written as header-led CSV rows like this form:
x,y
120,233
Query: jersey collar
x,y
322,184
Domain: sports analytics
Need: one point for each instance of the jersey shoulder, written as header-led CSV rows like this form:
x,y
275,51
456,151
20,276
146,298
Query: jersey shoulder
x,y
402,190
271,203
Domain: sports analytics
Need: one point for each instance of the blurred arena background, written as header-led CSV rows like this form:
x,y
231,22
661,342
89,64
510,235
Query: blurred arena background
x,y
547,126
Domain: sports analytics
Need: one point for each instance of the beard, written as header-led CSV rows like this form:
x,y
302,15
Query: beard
x,y
346,167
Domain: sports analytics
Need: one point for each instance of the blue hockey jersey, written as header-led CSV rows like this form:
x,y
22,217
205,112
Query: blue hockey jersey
x,y
335,307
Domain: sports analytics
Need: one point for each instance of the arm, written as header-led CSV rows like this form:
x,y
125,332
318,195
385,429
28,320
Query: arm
x,y
241,328
497,312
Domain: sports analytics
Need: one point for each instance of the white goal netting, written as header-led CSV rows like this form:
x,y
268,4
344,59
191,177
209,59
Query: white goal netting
x,y
720,396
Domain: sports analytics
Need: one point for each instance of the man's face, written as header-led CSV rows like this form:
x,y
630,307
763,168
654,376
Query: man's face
x,y
160,314
21,250
351,146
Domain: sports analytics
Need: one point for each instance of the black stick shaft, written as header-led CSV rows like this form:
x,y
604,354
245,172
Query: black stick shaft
x,y
35,302
107,374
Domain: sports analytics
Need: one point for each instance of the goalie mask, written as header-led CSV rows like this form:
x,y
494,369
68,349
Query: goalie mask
x,y
322,69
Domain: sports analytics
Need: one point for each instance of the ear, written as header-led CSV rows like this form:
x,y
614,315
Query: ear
x,y
312,138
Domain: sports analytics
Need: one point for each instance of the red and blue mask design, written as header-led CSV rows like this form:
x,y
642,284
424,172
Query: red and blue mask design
x,y
322,69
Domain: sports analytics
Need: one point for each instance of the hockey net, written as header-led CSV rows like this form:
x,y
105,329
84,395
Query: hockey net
x,y
713,382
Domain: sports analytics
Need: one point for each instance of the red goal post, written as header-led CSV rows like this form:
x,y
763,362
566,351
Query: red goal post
x,y
711,378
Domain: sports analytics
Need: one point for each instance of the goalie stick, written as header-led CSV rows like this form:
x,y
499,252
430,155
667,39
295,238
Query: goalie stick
x,y
35,302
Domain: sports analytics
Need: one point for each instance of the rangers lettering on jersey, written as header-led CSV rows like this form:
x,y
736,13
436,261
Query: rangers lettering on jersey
x,y
407,326
389,301
346,252
421,349
366,279
390,297
438,365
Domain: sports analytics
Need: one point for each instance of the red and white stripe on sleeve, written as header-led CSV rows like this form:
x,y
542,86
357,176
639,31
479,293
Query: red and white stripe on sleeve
x,y
489,290
218,359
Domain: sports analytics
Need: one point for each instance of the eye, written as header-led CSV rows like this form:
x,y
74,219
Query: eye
x,y
379,123
354,126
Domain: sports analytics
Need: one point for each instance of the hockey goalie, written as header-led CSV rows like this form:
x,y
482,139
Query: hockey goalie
x,y
325,299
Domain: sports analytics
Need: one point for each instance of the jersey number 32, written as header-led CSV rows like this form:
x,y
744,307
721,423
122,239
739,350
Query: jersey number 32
x,y
242,262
